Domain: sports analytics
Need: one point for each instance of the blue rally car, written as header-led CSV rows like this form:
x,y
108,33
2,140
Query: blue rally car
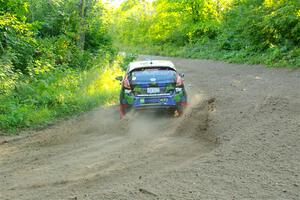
x,y
152,84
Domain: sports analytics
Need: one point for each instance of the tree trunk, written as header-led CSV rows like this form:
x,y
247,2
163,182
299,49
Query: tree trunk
x,y
82,24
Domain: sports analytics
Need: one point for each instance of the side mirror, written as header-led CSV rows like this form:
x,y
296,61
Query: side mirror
x,y
181,75
119,78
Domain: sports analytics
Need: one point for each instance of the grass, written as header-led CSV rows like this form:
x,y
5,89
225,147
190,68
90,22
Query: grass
x,y
42,99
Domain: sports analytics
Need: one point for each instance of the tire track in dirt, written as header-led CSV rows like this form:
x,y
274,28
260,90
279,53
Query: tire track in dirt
x,y
99,147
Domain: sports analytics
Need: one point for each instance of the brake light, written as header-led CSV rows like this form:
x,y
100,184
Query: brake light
x,y
179,81
126,83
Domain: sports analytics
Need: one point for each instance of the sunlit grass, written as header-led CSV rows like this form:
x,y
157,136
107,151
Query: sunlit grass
x,y
58,94
105,81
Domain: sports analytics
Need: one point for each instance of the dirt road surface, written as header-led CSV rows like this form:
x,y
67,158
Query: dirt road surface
x,y
239,139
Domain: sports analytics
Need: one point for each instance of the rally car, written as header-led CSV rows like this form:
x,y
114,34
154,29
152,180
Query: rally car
x,y
152,84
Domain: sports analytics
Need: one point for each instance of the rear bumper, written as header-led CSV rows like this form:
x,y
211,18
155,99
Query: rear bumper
x,y
153,102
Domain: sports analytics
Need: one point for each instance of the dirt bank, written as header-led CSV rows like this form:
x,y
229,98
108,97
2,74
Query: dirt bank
x,y
239,139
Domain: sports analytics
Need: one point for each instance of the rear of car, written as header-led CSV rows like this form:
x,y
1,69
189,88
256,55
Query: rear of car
x,y
151,85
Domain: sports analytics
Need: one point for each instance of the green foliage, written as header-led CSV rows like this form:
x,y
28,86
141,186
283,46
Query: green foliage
x,y
16,41
127,58
252,31
264,24
8,77
56,59
96,34
17,8
168,21
64,17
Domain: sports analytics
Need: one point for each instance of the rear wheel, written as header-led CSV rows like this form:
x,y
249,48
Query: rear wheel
x,y
171,111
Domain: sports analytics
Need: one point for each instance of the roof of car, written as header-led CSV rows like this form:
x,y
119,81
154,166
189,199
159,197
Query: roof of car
x,y
150,63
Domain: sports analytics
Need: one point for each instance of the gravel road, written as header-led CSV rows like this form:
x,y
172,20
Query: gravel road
x,y
239,139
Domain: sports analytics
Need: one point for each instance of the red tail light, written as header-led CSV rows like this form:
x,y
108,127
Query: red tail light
x,y
126,83
179,81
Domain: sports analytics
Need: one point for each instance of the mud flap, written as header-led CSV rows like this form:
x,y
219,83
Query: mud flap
x,y
123,110
180,108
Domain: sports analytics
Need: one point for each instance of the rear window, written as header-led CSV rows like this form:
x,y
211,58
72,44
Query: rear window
x,y
148,74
